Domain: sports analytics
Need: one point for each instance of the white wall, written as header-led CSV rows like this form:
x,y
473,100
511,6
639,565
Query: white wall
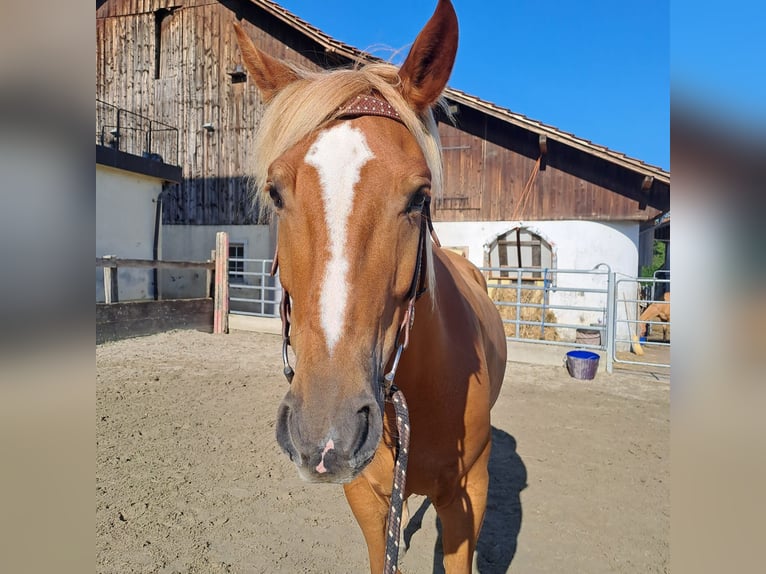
x,y
125,215
195,242
575,245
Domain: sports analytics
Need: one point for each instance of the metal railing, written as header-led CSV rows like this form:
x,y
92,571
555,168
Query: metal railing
x,y
564,307
252,289
135,134
636,295
574,308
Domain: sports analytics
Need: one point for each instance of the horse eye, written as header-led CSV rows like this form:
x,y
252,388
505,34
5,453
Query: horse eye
x,y
276,197
417,201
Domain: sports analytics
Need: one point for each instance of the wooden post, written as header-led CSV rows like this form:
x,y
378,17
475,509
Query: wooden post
x,y
221,299
111,293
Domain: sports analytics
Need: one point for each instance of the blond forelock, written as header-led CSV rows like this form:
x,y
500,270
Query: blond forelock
x,y
317,98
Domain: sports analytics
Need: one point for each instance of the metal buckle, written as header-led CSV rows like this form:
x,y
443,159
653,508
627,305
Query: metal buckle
x,y
287,370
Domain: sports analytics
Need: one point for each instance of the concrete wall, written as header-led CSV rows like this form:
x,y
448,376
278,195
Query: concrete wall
x,y
195,242
125,216
575,245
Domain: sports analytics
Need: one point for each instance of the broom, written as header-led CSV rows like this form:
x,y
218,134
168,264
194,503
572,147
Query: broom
x,y
635,346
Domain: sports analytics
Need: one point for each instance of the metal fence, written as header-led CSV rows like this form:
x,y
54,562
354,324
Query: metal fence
x,y
252,289
135,134
564,307
637,295
575,308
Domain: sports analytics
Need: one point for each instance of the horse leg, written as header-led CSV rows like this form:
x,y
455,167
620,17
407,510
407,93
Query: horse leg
x,y
461,515
371,511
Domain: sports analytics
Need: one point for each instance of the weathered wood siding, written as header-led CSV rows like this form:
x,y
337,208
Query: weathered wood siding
x,y
197,48
487,169
117,321
169,60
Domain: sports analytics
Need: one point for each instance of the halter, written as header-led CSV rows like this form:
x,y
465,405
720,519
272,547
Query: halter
x,y
368,105
417,288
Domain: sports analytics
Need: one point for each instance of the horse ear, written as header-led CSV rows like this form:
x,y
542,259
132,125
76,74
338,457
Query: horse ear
x,y
270,74
427,68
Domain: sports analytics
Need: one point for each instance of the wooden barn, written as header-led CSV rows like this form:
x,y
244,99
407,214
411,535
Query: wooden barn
x,y
517,192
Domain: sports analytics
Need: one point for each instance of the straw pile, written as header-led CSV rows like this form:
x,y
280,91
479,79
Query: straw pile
x,y
526,313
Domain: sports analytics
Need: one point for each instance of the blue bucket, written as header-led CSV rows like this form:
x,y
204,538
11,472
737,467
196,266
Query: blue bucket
x,y
582,364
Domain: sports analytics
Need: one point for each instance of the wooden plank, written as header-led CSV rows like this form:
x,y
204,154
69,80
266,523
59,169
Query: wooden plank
x,y
139,318
114,262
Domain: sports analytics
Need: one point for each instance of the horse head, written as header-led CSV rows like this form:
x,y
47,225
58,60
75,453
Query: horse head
x,y
347,161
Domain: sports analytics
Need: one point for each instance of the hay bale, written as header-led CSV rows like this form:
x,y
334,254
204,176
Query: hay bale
x,y
508,295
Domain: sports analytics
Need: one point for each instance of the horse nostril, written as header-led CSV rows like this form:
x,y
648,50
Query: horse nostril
x,y
364,416
283,430
364,427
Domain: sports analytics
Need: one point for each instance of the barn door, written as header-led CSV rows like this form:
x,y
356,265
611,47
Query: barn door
x,y
168,104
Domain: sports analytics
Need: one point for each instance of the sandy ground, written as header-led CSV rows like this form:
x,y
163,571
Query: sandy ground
x,y
189,477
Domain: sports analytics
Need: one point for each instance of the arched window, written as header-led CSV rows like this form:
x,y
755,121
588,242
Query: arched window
x,y
521,248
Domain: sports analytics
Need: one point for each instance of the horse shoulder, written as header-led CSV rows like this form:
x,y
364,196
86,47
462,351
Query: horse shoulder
x,y
471,283
487,318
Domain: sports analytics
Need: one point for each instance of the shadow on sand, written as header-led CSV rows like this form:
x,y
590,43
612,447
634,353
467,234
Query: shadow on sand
x,y
502,521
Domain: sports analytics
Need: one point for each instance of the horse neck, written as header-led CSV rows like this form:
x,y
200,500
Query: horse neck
x,y
428,328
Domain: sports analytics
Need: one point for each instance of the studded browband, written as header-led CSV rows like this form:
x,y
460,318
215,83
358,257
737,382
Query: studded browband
x,y
368,105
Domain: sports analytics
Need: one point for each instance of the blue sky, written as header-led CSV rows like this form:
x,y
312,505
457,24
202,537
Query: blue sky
x,y
718,62
599,69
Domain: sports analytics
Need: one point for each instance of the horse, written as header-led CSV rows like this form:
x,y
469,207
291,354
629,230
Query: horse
x,y
348,161
657,310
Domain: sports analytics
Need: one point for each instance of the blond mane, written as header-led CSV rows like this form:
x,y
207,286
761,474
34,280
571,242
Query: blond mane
x,y
317,98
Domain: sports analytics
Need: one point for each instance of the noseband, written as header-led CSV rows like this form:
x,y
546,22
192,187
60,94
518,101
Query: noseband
x,y
368,105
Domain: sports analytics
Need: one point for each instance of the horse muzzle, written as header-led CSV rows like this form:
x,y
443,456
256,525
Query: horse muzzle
x,y
330,443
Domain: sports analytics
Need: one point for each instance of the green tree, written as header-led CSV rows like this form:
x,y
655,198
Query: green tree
x,y
658,258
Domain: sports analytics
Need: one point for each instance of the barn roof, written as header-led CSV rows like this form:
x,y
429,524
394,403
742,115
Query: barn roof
x,y
343,50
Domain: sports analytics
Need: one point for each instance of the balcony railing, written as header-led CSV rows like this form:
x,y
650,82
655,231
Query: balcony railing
x,y
135,134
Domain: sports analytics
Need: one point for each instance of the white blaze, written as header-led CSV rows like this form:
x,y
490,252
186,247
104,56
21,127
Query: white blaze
x,y
338,155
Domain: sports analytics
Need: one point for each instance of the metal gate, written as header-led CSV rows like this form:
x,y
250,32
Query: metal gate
x,y
565,307
642,341
252,289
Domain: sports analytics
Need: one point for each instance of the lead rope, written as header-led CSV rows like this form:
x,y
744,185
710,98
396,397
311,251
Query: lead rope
x,y
396,396
394,521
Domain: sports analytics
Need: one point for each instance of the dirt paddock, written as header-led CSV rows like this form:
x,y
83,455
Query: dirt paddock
x,y
189,477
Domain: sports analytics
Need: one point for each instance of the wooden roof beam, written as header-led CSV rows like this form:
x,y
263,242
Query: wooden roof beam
x,y
646,189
